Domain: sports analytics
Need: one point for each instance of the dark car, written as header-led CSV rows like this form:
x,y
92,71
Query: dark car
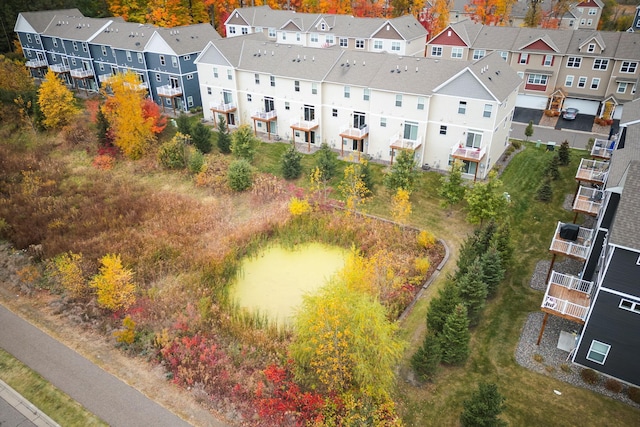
x,y
570,114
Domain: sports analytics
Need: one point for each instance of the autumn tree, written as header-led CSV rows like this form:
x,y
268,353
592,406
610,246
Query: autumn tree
x,y
15,80
129,10
56,102
353,188
401,206
483,11
441,9
403,172
291,162
452,187
243,143
343,341
124,111
114,285
66,269
534,14
172,154
151,113
455,337
485,200
484,407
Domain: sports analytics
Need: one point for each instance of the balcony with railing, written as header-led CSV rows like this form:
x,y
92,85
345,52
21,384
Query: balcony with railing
x,y
602,148
593,171
576,246
460,151
36,63
169,91
265,116
588,200
303,125
59,68
351,132
80,73
567,296
398,142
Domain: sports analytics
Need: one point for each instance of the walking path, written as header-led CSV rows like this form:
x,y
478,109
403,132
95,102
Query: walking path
x,y
109,398
16,411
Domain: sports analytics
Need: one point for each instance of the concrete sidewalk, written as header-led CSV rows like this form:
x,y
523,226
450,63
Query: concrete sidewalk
x,y
577,139
16,411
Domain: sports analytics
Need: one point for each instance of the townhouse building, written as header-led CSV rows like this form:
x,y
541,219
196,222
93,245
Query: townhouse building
x,y
604,299
363,103
403,35
594,71
85,52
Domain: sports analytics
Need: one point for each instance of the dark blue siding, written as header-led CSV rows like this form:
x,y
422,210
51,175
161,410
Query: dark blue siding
x,y
623,274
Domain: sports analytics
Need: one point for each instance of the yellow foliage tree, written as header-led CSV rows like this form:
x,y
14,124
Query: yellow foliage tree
x,y
373,275
123,110
401,206
14,76
441,10
353,188
67,270
128,334
114,284
56,102
299,207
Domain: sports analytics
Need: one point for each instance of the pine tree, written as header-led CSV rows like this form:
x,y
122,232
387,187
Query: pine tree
x,y
469,251
455,337
201,138
492,270
290,163
552,171
485,234
327,161
224,139
473,291
564,153
403,172
502,242
545,191
102,127
528,132
442,306
183,124
426,359
483,408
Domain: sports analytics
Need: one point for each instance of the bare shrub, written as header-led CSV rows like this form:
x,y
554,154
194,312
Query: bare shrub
x,y
613,385
590,376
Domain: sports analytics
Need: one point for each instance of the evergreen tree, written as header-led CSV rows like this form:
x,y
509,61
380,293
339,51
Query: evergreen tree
x,y
452,187
492,270
483,408
224,139
240,175
502,242
183,124
403,172
102,127
564,153
441,307
473,291
327,161
455,337
485,234
426,359
367,175
201,138
469,251
291,163
528,132
545,191
552,171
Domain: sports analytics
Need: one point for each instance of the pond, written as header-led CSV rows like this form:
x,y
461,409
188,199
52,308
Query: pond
x,y
274,281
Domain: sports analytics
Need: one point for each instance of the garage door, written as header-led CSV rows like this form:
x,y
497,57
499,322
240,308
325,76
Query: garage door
x,y
585,107
530,101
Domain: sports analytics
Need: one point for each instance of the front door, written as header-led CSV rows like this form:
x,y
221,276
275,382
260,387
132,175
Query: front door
x,y
310,137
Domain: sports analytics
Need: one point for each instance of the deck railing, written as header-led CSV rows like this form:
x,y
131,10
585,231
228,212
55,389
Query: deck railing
x,y
593,171
168,90
80,73
357,133
588,200
571,282
602,148
578,248
36,63
265,115
565,307
468,153
397,141
59,68
304,124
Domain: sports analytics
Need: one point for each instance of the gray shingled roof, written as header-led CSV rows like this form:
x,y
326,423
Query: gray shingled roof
x,y
622,157
189,38
631,112
125,35
580,37
628,46
408,26
75,28
41,19
625,230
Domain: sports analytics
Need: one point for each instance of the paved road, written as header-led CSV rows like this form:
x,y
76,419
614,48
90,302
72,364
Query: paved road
x,y
577,139
106,396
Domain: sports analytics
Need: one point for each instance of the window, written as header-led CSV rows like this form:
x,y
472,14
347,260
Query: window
x,y
633,89
583,21
598,352
547,61
329,38
377,44
456,52
347,92
256,78
410,131
140,57
158,78
101,65
537,79
568,81
359,43
487,110
462,107
479,53
395,46
55,44
29,38
595,82
189,76
398,100
420,103
229,75
323,26
436,50
524,58
39,42
85,47
249,97
383,122
343,42
174,61
271,32
600,64
591,47
314,38
571,23
366,94
504,55
215,72
334,112
209,91
297,37
296,85
190,101
628,67
129,56
593,11
574,62
186,57
163,62
474,139
286,105
630,305
244,30
314,88
104,48
443,130
272,80
622,87
232,29
589,22
75,45
582,81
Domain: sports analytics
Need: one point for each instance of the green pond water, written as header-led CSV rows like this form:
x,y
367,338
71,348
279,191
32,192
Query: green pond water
x,y
274,281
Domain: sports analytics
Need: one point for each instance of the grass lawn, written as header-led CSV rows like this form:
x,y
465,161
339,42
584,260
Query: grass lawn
x,y
56,404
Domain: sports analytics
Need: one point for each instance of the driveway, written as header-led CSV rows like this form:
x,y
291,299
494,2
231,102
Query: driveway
x,y
582,122
525,115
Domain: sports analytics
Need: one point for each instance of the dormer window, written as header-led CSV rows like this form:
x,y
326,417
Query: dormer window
x,y
323,26
591,48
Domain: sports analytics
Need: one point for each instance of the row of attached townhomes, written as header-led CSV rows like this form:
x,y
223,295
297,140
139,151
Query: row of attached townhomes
x,y
363,102
594,71
403,35
86,51
604,299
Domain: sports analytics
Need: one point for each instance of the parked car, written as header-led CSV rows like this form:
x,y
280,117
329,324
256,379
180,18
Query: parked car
x,y
570,114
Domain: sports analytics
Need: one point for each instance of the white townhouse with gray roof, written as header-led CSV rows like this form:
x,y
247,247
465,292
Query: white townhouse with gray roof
x,y
403,35
367,103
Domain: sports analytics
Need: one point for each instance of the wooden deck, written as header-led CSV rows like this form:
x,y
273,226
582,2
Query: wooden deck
x,y
592,171
588,201
567,303
576,249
